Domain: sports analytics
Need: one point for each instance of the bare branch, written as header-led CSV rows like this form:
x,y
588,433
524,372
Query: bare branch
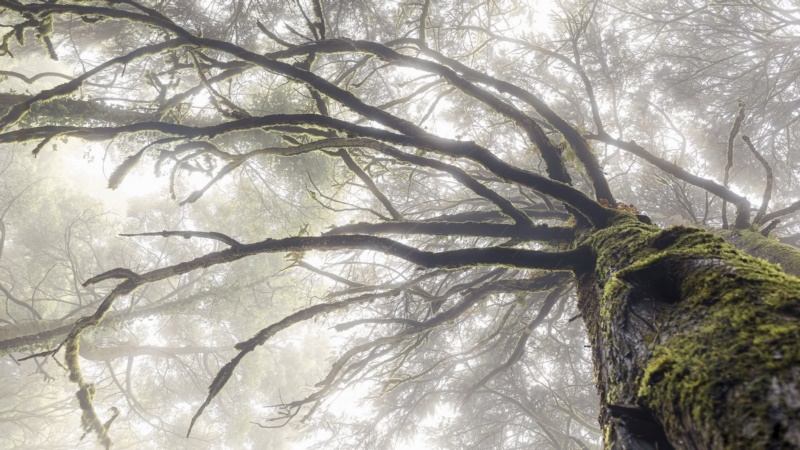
x,y
192,234
364,177
791,209
519,349
742,204
533,232
19,111
737,122
762,210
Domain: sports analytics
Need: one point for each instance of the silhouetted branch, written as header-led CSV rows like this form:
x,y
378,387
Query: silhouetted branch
x,y
593,211
191,234
762,210
742,204
737,122
18,111
521,232
791,209
367,180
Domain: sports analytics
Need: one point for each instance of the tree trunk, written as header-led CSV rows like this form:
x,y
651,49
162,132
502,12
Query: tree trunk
x,y
695,343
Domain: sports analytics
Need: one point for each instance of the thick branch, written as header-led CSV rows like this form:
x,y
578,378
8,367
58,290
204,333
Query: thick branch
x,y
737,122
191,234
19,110
592,210
791,209
742,204
526,233
550,153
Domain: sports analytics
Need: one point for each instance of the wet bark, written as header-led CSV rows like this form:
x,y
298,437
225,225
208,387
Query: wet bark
x,y
694,343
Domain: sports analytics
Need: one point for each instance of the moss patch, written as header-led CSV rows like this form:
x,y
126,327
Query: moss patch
x,y
726,332
769,248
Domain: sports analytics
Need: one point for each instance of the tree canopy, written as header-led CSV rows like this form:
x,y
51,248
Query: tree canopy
x,y
379,221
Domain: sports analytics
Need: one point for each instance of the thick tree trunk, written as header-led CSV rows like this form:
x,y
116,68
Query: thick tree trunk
x,y
695,343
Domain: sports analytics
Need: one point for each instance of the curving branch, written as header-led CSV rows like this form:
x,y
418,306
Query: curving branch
x,y
579,145
248,346
567,260
737,123
34,78
225,239
575,66
791,209
762,210
457,173
742,204
591,209
18,111
535,133
471,297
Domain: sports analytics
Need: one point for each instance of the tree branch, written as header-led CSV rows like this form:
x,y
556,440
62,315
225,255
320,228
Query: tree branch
x,y
737,122
233,243
592,210
762,210
367,180
742,204
525,233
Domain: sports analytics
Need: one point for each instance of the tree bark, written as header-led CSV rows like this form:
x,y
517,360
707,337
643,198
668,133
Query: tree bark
x,y
66,110
764,247
694,342
36,334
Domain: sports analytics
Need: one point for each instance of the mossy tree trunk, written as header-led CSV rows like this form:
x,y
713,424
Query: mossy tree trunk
x,y
695,343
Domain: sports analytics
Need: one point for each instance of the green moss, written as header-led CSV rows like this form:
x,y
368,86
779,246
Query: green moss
x,y
71,358
768,248
725,334
730,342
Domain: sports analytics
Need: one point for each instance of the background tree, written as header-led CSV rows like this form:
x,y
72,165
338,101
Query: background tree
x,y
498,148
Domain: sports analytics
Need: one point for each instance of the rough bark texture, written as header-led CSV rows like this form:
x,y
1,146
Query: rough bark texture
x,y
754,243
695,342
